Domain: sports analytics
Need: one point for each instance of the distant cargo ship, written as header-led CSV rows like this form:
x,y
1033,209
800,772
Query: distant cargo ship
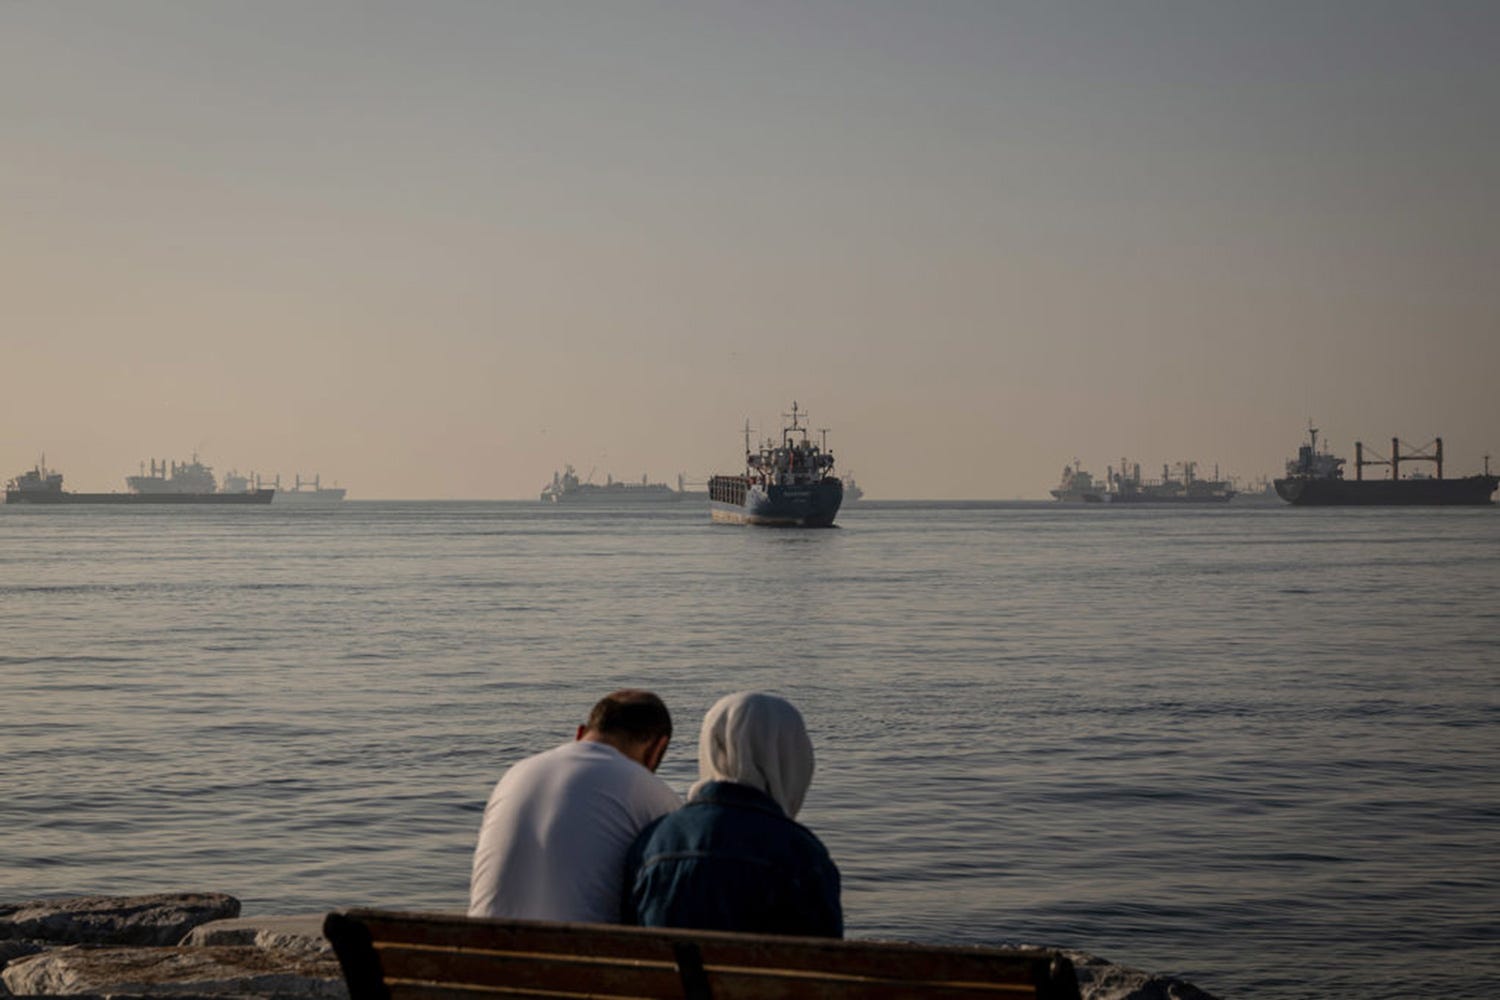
x,y
1127,486
790,483
1184,487
303,492
1316,479
170,483
567,488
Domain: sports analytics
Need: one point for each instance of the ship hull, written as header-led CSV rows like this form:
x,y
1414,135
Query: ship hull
x,y
54,499
808,505
1468,491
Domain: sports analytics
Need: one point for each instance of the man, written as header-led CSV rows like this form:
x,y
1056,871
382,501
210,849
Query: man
x,y
553,841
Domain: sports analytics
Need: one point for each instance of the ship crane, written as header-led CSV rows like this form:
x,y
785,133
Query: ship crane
x,y
1413,455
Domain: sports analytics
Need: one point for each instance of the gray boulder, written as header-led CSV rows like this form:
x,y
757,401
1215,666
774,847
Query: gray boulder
x,y
160,919
300,933
205,970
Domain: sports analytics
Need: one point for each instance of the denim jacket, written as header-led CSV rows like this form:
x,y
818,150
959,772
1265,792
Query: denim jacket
x,y
731,860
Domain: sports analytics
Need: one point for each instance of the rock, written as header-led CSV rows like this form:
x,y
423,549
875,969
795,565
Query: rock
x,y
199,970
303,933
141,920
16,949
1102,980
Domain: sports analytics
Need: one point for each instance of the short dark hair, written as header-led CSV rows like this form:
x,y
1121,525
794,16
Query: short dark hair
x,y
631,714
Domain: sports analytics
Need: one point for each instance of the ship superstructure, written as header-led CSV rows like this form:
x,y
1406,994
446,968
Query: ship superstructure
x,y
789,482
36,485
174,477
1316,478
1078,486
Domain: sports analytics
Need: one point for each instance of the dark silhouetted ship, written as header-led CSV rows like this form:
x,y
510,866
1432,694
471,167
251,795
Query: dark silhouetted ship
x,y
1316,479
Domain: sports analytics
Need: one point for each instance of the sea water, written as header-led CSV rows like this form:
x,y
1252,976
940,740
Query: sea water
x,y
1254,747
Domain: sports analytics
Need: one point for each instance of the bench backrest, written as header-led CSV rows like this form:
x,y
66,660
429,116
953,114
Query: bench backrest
x,y
391,955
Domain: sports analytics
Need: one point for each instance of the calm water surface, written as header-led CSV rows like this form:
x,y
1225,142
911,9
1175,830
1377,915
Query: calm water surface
x,y
1255,747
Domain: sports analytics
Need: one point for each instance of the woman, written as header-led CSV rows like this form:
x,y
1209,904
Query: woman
x,y
734,858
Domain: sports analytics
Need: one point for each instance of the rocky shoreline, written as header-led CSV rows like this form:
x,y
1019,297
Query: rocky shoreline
x,y
178,945
196,945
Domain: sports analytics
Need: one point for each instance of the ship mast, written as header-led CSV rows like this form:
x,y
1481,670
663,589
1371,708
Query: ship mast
x,y
786,434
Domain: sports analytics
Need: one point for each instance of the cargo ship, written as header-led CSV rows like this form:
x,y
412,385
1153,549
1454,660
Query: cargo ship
x,y
1127,486
170,483
787,483
302,492
567,488
309,492
1183,487
1316,479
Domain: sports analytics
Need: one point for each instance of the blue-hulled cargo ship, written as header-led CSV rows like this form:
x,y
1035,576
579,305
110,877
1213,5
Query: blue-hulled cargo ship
x,y
788,483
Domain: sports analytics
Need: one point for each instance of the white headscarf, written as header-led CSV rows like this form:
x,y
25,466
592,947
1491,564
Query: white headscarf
x,y
757,740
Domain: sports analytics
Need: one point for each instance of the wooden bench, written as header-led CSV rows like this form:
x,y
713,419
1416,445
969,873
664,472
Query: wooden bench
x,y
390,955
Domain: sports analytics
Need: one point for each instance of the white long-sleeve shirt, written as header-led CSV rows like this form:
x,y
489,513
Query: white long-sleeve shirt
x,y
553,841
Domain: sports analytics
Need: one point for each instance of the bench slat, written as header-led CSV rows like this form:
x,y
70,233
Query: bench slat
x,y
437,991
565,974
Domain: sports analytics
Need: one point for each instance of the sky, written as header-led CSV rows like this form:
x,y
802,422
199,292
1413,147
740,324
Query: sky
x,y
437,250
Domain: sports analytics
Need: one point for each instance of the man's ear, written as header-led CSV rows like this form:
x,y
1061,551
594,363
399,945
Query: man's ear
x,y
581,731
656,751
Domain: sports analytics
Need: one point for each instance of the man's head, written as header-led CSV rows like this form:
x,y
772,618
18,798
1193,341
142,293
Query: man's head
x,y
634,722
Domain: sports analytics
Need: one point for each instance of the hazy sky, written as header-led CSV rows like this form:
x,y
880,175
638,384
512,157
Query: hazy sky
x,y
438,249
